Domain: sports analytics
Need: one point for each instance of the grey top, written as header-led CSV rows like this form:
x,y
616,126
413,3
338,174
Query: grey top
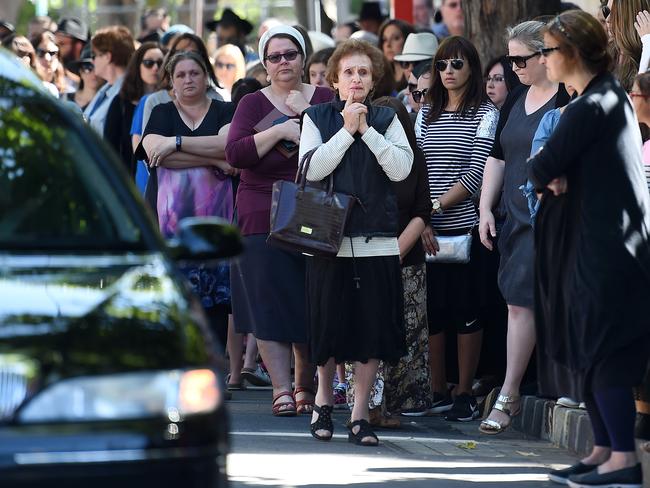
x,y
516,245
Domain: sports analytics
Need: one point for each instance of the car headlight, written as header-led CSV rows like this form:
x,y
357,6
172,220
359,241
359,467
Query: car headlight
x,y
171,394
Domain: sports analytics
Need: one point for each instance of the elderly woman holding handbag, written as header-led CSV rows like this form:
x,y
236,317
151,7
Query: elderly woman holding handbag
x,y
355,300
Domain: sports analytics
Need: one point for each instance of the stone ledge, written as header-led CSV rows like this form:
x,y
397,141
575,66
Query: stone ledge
x,y
566,428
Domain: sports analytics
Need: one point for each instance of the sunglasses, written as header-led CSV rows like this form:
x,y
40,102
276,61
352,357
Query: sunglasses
x,y
606,11
276,58
418,94
442,64
86,67
149,63
42,52
406,64
520,61
546,51
412,86
495,79
230,66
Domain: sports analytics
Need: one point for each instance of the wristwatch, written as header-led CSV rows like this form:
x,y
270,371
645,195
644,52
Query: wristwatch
x,y
437,206
179,142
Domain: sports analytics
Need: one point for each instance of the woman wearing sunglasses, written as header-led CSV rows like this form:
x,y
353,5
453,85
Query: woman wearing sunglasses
x,y
592,237
229,66
505,172
48,66
89,84
455,128
141,77
263,142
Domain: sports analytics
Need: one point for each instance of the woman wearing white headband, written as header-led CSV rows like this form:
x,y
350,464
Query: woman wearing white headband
x,y
268,284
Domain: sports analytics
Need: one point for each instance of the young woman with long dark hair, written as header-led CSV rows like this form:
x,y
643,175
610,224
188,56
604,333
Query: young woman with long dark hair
x,y
455,129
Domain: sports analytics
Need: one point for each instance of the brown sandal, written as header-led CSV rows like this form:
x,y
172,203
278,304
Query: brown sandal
x,y
284,409
304,406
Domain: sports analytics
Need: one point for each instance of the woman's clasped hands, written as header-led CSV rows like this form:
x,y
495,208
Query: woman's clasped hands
x,y
354,116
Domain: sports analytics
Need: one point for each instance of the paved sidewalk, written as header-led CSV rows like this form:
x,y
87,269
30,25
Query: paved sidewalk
x,y
567,428
428,451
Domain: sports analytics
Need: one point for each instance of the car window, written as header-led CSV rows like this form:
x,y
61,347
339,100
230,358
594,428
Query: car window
x,y
53,194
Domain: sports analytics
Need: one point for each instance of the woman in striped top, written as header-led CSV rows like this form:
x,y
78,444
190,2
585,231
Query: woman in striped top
x,y
455,129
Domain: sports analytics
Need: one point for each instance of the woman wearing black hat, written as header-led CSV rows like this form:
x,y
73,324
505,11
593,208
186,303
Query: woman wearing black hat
x,y
89,84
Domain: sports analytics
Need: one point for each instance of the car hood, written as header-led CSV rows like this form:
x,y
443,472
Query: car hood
x,y
64,316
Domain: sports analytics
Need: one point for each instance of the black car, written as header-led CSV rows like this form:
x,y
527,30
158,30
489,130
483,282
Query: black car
x,y
109,374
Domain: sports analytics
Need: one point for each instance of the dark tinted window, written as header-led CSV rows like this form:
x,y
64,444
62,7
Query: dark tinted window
x,y
52,193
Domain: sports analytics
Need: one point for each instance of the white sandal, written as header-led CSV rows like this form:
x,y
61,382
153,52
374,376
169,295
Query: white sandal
x,y
508,404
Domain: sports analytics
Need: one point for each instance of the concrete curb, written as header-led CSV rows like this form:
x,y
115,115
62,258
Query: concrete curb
x,y
566,428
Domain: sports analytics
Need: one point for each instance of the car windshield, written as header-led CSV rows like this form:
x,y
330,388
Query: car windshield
x,y
53,193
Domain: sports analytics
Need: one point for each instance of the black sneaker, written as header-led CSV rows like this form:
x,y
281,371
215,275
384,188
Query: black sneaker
x,y
621,478
465,409
561,476
441,403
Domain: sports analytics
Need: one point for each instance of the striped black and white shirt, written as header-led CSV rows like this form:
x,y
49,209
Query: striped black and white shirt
x,y
456,150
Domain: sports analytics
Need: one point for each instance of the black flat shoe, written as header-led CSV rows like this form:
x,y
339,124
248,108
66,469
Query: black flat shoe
x,y
621,478
323,422
561,476
364,431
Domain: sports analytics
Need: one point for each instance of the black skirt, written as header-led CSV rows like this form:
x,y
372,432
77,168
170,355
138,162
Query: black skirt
x,y
268,292
458,292
351,323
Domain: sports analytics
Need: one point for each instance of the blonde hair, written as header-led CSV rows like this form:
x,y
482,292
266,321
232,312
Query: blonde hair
x,y
235,53
528,33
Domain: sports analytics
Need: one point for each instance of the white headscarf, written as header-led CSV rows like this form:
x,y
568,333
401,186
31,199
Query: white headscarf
x,y
280,29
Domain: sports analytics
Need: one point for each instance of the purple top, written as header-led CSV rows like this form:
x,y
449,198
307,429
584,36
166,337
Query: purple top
x,y
258,174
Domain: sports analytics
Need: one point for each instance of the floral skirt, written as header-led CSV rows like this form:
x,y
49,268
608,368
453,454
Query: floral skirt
x,y
405,386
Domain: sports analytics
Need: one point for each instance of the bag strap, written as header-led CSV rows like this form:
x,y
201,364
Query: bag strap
x,y
303,167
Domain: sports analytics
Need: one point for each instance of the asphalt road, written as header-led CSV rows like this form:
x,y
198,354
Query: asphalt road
x,y
425,452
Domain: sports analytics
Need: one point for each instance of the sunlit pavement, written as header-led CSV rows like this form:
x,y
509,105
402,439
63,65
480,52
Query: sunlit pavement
x,y
280,452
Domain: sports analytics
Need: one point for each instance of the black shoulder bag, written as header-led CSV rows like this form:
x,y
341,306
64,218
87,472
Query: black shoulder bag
x,y
308,218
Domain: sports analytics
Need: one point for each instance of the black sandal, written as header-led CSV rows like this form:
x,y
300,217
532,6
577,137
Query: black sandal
x,y
323,422
364,431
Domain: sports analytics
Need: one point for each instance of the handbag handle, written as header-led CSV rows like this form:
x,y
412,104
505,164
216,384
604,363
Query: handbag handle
x,y
301,176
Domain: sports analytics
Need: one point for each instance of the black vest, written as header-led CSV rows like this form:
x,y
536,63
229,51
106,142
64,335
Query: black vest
x,y
359,174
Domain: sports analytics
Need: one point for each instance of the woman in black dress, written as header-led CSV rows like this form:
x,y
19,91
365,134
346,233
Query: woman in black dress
x,y
185,140
505,172
593,249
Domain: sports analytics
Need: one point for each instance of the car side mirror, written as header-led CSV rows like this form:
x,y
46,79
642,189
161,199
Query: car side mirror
x,y
205,239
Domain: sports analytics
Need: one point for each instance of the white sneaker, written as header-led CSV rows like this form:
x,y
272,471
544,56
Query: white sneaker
x,y
567,402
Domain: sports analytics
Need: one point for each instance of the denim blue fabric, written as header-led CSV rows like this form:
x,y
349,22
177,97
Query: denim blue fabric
x,y
546,127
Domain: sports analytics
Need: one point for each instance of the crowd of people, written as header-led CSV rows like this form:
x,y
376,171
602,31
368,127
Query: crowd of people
x,y
534,164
